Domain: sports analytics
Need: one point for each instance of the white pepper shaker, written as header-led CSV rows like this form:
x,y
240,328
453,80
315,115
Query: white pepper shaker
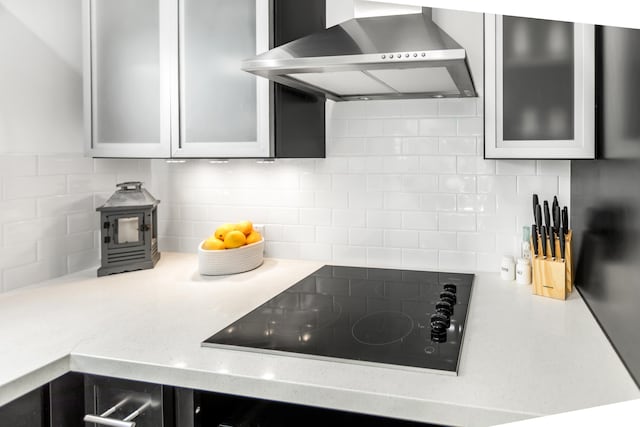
x,y
523,272
507,268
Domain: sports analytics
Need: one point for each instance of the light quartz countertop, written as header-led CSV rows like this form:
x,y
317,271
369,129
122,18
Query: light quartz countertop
x,y
523,356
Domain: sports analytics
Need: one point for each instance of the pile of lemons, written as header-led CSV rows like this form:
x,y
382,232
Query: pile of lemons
x,y
231,236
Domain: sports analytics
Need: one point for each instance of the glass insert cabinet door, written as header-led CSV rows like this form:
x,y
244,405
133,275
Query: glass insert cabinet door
x,y
223,111
540,89
126,78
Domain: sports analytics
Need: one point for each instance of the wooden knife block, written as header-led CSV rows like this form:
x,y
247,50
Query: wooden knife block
x,y
553,279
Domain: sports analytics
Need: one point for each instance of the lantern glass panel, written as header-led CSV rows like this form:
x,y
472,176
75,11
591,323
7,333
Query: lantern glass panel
x,y
128,230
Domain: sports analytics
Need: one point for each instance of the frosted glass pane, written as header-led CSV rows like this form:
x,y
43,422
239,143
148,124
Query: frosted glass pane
x,y
538,85
126,71
128,230
219,99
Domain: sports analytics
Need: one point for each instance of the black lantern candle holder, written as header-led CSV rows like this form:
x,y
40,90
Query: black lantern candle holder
x,y
129,226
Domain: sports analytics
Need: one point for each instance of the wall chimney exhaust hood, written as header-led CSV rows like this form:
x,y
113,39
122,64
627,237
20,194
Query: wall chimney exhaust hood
x,y
380,57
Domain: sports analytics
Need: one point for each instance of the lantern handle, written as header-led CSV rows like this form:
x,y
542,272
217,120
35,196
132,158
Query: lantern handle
x,y
130,186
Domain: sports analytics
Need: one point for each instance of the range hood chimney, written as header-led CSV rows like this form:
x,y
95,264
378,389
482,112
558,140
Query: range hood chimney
x,y
381,57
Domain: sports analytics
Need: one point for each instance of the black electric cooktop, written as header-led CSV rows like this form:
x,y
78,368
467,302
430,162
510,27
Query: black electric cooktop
x,y
404,318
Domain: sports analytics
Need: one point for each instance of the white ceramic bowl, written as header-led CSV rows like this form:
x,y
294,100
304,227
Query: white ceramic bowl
x,y
230,261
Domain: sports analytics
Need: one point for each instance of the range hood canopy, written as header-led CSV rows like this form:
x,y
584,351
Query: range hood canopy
x,y
381,57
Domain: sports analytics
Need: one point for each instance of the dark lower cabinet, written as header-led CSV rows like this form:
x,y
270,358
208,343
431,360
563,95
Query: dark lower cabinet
x,y
26,411
66,401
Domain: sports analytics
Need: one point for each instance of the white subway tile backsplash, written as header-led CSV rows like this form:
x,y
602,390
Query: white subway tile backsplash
x,y
384,257
468,165
438,202
502,223
516,167
420,259
329,199
545,186
17,254
79,222
366,237
438,240
385,182
350,255
438,164
458,145
83,260
420,145
315,216
457,184
401,164
357,128
500,185
62,205
420,220
64,165
349,217
401,201
338,128
17,210
365,164
401,239
298,233
471,126
346,182
194,213
345,146
91,183
456,221
71,243
36,272
400,127
438,127
420,183
384,146
34,186
332,235
457,107
476,242
16,233
415,107
457,261
316,251
554,167
481,203
366,200
384,219
315,182
18,165
488,262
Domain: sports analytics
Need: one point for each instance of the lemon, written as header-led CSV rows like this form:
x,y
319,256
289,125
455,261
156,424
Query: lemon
x,y
253,237
234,239
222,231
213,244
245,226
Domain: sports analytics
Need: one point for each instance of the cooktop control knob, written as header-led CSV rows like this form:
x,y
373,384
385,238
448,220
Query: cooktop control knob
x,y
440,317
449,297
450,287
445,308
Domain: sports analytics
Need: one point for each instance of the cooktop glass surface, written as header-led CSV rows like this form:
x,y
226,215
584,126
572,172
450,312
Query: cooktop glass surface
x,y
413,319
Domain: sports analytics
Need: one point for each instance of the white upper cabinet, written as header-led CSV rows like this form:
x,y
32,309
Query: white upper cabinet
x,y
539,89
163,78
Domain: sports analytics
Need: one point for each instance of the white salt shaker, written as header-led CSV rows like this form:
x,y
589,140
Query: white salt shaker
x,y
523,272
507,268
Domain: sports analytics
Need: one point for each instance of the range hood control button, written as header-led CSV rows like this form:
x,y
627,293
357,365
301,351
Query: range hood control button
x,y
415,55
424,54
391,56
384,56
406,55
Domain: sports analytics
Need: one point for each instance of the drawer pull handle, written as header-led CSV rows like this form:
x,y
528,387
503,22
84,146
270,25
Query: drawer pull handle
x,y
112,422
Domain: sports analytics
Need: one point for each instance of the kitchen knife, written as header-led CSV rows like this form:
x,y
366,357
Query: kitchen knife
x,y
534,238
536,202
552,243
543,240
547,215
538,217
556,218
562,244
555,203
565,219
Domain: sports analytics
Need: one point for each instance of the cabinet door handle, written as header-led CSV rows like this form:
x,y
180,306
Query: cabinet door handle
x,y
103,421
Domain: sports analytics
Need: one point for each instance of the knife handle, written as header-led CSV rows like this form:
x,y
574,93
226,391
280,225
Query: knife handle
x,y
556,218
534,239
547,215
543,239
536,202
562,244
538,217
552,243
565,219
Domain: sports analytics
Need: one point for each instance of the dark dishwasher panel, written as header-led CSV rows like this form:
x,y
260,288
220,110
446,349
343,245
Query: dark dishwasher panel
x,y
220,410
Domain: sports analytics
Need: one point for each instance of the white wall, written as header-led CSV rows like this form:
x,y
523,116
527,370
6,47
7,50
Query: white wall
x,y
48,189
404,184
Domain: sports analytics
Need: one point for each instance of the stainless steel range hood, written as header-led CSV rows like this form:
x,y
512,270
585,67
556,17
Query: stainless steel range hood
x,y
381,57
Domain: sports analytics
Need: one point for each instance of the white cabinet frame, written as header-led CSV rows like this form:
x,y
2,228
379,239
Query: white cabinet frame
x,y
582,146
